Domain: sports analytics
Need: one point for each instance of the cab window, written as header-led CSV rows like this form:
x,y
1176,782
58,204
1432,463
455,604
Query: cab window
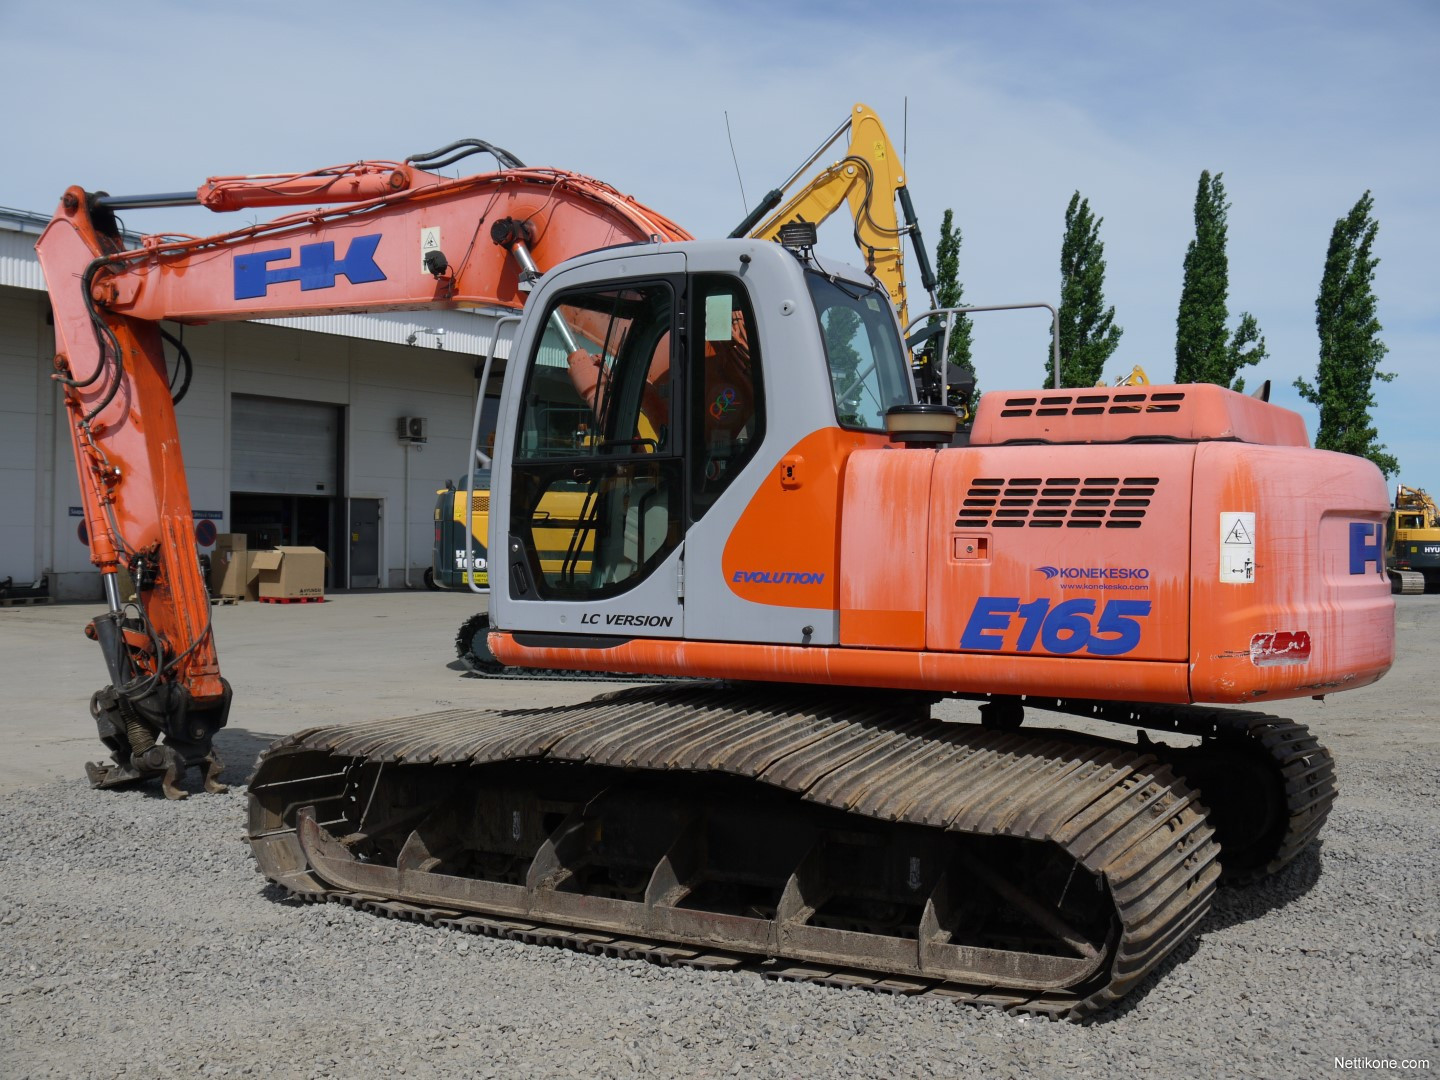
x,y
868,373
598,482
727,396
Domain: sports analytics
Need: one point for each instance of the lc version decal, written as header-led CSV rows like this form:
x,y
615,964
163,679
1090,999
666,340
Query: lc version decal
x,y
595,619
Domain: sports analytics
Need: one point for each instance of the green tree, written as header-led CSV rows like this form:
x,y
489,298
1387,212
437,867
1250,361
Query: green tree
x,y
949,292
1088,334
1350,345
1205,351
841,325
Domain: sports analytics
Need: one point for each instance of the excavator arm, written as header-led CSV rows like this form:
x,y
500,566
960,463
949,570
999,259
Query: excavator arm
x,y
398,238
870,178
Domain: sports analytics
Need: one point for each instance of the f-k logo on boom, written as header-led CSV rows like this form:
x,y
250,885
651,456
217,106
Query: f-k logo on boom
x,y
317,267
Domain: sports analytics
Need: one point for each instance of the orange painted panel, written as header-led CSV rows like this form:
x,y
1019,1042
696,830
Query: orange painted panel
x,y
884,548
1080,551
1272,588
785,549
1289,587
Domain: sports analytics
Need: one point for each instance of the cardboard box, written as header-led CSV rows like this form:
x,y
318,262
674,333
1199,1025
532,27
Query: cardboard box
x,y
231,573
289,572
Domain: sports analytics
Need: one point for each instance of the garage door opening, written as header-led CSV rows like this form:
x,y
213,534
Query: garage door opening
x,y
284,477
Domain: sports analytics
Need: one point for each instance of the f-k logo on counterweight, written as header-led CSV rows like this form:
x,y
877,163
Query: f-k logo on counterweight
x,y
317,267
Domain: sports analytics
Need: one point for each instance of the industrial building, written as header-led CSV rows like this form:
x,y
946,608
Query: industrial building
x,y
289,429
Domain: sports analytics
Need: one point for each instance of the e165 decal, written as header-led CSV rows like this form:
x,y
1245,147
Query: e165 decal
x,y
1070,626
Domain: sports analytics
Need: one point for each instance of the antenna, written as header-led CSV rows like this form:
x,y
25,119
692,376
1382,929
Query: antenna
x,y
743,201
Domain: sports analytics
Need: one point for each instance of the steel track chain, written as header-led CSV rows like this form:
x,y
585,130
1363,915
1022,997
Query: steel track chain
x,y
668,954
1305,768
1177,879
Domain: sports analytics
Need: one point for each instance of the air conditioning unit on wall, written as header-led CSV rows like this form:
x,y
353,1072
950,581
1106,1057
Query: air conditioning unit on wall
x,y
412,429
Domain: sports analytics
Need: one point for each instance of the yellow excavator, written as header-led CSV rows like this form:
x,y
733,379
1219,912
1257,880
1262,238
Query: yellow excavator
x,y
1412,556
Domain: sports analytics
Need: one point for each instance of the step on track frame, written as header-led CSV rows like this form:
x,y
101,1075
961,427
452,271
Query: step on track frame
x,y
826,837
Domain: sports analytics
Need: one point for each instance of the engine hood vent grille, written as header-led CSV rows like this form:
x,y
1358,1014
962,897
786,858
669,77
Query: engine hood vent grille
x,y
1064,502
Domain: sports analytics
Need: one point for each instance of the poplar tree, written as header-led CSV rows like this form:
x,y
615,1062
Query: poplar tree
x,y
1088,334
1205,351
949,292
1350,345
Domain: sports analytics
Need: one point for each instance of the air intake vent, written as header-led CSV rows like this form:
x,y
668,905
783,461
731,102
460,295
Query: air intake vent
x,y
1101,403
479,504
1069,502
1191,412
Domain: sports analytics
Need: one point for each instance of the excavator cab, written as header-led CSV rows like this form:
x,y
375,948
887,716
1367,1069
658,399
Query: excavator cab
x,y
662,387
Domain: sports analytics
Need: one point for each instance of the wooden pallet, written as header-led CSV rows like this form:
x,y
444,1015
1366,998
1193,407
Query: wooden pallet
x,y
11,601
292,599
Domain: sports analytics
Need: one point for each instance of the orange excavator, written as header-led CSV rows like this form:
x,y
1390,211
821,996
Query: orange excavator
x,y
761,507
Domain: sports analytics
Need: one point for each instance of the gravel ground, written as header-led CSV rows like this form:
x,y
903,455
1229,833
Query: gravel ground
x,y
136,939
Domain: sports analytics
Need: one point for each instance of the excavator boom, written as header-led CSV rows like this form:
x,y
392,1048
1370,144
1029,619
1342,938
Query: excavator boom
x,y
870,178
405,239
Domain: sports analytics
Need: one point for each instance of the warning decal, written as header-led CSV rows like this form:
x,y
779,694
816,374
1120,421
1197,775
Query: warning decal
x,y
1237,548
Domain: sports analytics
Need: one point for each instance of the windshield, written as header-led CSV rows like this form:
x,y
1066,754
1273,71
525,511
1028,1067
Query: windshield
x,y
868,373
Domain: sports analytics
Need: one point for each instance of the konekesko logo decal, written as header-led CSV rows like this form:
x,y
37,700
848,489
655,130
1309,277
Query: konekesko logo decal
x,y
1095,573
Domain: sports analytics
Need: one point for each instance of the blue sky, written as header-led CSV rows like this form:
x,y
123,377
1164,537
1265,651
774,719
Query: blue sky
x,y
1012,105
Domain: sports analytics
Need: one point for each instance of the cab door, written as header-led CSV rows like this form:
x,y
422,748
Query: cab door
x,y
595,515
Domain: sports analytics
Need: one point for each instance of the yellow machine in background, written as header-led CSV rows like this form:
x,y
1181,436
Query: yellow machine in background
x,y
564,508
1412,555
449,569
871,179
1137,377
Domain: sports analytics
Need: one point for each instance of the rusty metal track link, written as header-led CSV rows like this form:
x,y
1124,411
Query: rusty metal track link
x,y
820,836
1269,782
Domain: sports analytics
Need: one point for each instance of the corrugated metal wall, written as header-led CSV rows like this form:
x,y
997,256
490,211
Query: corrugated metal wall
x,y
18,265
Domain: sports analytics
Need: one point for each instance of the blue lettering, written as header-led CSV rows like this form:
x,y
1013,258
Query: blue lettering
x,y
1063,630
317,268
777,577
1366,542
988,623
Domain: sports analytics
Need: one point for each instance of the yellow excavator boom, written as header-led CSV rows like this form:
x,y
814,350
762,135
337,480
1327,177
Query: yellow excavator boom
x,y
870,178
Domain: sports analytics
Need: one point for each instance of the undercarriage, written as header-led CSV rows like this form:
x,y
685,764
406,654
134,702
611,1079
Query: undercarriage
x,y
811,834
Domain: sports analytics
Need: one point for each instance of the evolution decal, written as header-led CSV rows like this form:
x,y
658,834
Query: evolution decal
x,y
777,577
